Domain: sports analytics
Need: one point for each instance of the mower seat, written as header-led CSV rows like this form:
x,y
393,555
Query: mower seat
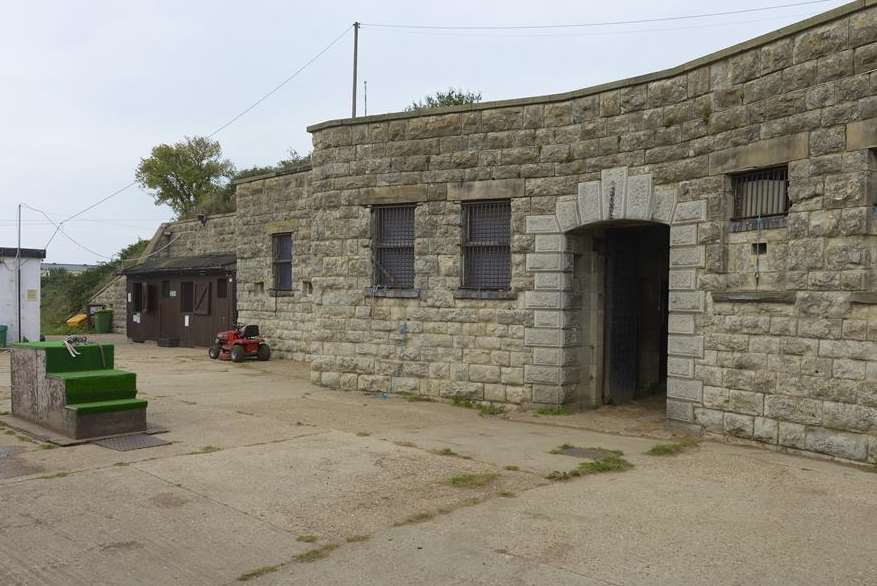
x,y
250,331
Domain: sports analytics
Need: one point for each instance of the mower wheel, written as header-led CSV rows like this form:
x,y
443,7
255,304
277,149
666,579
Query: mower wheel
x,y
213,352
238,354
264,352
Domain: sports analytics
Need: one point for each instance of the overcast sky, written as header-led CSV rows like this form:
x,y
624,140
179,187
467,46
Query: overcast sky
x,y
88,88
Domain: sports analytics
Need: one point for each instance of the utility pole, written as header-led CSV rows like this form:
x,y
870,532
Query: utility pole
x,y
355,57
365,98
18,273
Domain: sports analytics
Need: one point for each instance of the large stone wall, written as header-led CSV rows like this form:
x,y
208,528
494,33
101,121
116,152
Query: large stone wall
x,y
787,358
216,235
271,206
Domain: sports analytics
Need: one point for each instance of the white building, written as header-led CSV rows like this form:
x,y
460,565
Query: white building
x,y
30,293
73,269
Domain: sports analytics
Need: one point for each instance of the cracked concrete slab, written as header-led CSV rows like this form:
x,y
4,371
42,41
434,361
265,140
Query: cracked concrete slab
x,y
261,458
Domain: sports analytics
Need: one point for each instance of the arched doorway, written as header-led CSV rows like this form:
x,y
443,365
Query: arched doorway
x,y
621,283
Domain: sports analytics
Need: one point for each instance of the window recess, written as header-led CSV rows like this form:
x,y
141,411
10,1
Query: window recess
x,y
487,228
393,246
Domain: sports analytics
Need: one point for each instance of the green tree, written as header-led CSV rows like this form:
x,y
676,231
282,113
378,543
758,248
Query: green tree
x,y
188,175
452,97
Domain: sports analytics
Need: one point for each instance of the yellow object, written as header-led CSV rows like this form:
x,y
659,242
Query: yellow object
x,y
77,320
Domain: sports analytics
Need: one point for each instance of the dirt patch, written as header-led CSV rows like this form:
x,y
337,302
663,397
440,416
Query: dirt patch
x,y
168,500
12,466
121,546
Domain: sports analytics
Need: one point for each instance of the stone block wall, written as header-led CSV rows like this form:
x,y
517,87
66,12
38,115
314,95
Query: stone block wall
x,y
114,296
779,347
269,206
192,237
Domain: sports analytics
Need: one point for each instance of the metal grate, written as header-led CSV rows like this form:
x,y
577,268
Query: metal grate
x,y
126,443
761,194
393,240
487,229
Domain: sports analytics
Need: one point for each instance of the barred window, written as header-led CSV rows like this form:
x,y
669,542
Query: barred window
x,y
761,193
487,228
282,258
393,244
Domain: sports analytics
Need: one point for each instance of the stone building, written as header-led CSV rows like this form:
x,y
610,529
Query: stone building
x,y
707,231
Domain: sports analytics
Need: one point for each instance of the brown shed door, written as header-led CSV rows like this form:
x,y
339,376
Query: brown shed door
x,y
201,305
149,317
169,309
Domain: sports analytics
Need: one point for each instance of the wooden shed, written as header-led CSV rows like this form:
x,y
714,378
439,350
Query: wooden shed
x,y
181,300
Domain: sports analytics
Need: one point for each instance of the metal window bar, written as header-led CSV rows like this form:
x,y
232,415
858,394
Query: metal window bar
x,y
393,241
487,228
761,194
281,253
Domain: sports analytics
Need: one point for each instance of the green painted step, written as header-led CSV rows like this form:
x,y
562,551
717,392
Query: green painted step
x,y
98,385
58,359
108,406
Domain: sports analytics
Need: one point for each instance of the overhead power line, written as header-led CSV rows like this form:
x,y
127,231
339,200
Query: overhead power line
x,y
584,33
91,207
59,229
231,121
592,24
281,84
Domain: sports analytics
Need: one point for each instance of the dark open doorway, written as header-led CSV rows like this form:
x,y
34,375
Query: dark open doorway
x,y
637,268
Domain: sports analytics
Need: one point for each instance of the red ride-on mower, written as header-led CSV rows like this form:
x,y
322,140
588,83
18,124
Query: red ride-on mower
x,y
238,344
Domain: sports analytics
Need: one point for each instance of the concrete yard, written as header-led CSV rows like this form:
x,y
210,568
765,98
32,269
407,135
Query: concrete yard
x,y
265,467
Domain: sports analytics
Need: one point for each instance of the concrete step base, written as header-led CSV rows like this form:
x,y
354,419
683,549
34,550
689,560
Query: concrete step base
x,y
85,425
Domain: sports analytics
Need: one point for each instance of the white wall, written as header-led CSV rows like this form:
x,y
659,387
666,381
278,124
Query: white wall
x,y
30,298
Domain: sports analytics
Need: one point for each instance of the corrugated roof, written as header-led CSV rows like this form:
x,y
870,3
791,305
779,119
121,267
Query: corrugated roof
x,y
184,264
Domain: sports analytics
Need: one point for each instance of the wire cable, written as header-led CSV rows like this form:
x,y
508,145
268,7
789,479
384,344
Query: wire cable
x,y
281,84
211,135
589,33
593,24
60,229
98,254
